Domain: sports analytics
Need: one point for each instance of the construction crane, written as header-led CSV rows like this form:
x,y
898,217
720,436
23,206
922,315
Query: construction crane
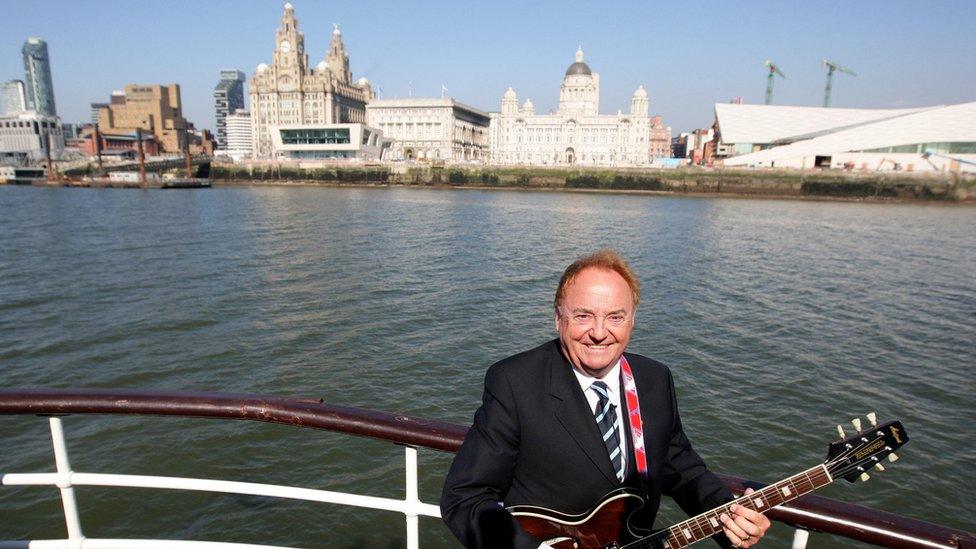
x,y
773,70
831,67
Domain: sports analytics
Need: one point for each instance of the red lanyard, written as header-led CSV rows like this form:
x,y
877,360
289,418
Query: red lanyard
x,y
634,415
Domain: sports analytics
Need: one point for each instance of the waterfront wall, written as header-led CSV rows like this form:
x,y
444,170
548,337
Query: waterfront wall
x,y
749,182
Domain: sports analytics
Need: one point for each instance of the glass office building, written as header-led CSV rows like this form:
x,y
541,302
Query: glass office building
x,y
37,77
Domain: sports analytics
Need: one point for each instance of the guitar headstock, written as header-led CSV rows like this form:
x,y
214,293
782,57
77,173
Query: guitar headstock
x,y
851,457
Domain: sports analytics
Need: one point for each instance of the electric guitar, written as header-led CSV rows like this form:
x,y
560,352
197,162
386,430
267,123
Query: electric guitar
x,y
610,525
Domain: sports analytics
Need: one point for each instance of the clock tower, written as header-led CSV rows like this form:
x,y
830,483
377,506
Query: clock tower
x,y
288,93
290,56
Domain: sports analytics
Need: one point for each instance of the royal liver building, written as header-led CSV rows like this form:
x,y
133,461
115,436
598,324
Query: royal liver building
x,y
577,134
289,93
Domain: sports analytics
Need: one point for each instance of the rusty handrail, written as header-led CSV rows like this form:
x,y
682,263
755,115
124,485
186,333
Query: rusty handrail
x,y
810,512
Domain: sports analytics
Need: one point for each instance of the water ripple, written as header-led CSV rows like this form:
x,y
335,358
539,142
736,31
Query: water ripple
x,y
780,319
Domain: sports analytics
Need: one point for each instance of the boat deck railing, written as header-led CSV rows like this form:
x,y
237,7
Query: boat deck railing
x,y
810,513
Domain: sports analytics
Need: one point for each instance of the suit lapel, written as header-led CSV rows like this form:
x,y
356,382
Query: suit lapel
x,y
574,414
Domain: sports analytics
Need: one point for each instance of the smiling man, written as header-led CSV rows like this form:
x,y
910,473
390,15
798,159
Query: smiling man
x,y
563,424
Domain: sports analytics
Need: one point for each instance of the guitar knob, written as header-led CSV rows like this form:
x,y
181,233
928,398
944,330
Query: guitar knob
x,y
864,477
879,467
840,431
856,422
892,457
873,419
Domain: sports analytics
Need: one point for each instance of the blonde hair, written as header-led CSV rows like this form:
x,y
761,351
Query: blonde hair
x,y
606,259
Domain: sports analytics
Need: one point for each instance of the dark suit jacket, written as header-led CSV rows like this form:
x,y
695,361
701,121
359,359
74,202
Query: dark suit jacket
x,y
535,441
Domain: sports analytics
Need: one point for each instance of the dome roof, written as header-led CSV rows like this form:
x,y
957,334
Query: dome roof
x,y
641,92
261,68
322,66
579,67
510,94
362,82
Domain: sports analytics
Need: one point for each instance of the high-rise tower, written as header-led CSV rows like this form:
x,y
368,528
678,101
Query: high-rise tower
x,y
37,77
228,98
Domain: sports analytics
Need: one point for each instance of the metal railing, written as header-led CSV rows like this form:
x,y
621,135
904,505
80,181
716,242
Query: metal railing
x,y
809,513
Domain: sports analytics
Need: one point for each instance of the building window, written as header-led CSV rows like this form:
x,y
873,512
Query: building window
x,y
315,136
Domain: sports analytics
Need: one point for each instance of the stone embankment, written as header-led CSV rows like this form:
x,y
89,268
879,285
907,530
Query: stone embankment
x,y
689,181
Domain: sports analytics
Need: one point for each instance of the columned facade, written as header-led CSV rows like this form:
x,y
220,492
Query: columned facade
x,y
431,129
576,134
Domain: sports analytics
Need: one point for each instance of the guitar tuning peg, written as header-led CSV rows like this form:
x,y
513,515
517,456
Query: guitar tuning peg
x,y
873,419
864,477
879,467
856,422
840,432
892,457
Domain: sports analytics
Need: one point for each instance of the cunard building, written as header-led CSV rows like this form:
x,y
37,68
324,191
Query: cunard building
x,y
291,102
576,134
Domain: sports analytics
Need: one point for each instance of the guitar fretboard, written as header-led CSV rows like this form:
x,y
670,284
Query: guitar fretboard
x,y
708,523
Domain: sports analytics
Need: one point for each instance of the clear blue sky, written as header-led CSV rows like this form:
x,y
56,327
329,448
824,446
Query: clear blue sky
x,y
688,55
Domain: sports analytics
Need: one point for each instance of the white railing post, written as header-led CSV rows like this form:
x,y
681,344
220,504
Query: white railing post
x,y
800,537
75,537
412,500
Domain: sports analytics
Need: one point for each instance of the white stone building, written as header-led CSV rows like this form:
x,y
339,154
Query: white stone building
x,y
576,134
290,93
25,137
432,129
238,128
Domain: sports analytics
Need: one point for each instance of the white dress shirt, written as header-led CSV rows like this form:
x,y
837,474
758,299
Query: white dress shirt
x,y
612,379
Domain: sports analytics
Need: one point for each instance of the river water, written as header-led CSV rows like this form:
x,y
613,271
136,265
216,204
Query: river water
x,y
779,319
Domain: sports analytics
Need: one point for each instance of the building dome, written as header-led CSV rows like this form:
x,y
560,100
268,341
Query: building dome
x,y
288,6
510,94
362,82
579,67
641,92
322,66
261,68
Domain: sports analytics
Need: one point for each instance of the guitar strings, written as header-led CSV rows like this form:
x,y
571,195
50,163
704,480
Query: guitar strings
x,y
832,467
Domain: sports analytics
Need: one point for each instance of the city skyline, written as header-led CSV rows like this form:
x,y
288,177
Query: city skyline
x,y
686,59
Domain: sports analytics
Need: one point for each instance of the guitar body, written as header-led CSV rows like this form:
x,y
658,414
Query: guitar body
x,y
610,523
615,521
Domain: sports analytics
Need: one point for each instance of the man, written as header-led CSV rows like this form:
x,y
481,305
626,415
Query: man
x,y
557,425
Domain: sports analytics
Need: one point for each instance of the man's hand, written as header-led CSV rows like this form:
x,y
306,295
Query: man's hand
x,y
745,527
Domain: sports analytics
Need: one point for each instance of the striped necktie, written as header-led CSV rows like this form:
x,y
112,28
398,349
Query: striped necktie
x,y
607,421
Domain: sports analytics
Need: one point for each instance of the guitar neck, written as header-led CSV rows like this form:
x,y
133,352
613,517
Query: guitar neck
x,y
708,523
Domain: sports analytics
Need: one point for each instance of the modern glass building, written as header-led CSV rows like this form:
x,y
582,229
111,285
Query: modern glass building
x,y
37,77
352,141
228,98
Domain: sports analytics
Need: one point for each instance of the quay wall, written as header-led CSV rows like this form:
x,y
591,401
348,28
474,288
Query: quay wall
x,y
688,181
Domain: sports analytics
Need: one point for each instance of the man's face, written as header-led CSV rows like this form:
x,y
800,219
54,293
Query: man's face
x,y
595,320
